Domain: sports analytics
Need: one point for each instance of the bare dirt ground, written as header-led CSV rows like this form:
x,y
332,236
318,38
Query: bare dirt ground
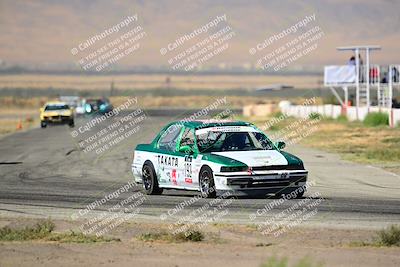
x,y
224,245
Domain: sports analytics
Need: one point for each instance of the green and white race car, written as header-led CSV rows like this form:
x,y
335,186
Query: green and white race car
x,y
214,157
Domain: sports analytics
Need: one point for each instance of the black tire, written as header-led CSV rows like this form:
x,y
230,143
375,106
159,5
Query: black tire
x,y
71,123
300,194
43,124
149,179
206,183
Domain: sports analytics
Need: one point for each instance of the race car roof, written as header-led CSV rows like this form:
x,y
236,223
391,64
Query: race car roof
x,y
199,124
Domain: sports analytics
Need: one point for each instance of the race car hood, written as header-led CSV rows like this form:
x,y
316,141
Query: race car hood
x,y
256,157
57,113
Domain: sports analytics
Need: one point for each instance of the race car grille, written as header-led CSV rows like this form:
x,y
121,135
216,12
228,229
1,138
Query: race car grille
x,y
234,169
58,117
278,167
251,183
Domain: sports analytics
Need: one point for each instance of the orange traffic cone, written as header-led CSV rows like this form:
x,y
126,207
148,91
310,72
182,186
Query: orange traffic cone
x,y
19,125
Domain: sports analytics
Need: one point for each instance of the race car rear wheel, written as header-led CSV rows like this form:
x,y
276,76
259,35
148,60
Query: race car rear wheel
x,y
206,183
150,182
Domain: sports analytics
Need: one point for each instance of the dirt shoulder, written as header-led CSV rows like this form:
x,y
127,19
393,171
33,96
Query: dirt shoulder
x,y
223,245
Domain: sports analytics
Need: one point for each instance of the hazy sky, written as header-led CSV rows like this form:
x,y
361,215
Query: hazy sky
x,y
42,33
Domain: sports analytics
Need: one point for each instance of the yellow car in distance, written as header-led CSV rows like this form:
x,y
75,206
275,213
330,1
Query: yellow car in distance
x,y
56,113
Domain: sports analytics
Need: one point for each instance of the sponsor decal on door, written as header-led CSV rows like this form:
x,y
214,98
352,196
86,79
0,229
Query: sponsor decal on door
x,y
173,177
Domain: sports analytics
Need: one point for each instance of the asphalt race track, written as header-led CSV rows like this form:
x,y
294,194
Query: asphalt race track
x,y
44,173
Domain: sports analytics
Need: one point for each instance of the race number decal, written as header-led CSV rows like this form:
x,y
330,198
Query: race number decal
x,y
188,168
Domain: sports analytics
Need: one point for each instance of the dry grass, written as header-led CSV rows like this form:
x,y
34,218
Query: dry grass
x,y
11,125
388,237
190,101
16,105
357,142
191,236
353,140
16,112
43,230
142,81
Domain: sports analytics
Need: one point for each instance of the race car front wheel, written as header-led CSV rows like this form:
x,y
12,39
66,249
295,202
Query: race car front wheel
x,y
297,195
206,183
150,182
300,194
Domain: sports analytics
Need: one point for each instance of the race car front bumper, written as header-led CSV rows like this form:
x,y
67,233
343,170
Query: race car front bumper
x,y
282,182
57,119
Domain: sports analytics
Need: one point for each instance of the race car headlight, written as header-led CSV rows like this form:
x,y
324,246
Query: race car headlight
x,y
88,108
299,166
234,169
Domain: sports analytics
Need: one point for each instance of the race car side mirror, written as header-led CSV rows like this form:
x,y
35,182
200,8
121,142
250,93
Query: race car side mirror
x,y
41,109
186,149
280,145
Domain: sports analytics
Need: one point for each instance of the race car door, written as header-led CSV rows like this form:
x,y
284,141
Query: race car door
x,y
167,159
186,177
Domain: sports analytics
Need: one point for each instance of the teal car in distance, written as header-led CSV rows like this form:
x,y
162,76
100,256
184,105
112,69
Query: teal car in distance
x,y
98,106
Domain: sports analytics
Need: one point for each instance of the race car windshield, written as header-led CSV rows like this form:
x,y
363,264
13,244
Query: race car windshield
x,y
56,107
232,141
